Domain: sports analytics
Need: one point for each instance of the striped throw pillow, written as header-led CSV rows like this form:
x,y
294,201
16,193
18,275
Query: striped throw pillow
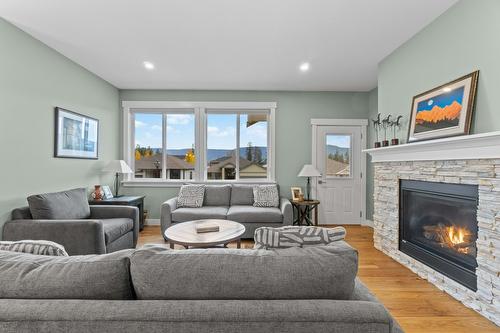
x,y
39,247
290,236
191,196
266,196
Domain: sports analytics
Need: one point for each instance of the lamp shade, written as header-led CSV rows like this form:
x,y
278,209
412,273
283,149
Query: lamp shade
x,y
117,166
309,170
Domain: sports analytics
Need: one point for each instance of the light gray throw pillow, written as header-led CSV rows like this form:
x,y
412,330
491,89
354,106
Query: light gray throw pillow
x,y
266,196
40,247
191,196
299,236
65,205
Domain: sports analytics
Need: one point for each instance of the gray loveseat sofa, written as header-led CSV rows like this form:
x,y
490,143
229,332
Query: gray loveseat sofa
x,y
231,202
86,230
202,290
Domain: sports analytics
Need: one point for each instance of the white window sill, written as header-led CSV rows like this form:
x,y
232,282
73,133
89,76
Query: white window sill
x,y
179,183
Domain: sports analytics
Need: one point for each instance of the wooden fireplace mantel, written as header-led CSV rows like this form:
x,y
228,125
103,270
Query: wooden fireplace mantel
x,y
465,147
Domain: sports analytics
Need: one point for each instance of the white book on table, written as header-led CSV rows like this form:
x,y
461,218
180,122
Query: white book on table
x,y
207,227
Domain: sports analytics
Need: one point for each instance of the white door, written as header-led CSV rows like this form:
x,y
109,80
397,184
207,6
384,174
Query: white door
x,y
338,158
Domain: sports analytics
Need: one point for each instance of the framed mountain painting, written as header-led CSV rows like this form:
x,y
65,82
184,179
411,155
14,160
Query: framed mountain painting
x,y
443,111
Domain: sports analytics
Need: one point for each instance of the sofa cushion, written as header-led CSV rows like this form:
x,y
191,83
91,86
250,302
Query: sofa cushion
x,y
205,212
323,272
40,247
22,213
266,196
76,277
115,228
245,214
242,195
66,205
296,236
191,196
217,195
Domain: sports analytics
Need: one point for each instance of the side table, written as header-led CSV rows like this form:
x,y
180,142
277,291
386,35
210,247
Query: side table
x,y
125,200
304,209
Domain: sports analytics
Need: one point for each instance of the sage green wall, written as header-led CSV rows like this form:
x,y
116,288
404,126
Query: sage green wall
x,y
293,129
463,39
33,80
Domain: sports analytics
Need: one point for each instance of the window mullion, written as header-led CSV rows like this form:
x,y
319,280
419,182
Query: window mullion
x,y
164,147
201,145
237,153
131,143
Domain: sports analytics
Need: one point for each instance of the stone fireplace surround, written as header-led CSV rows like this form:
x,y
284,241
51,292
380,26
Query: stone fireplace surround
x,y
472,159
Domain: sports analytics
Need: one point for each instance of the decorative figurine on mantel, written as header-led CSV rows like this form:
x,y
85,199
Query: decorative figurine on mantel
x,y
376,126
386,122
396,124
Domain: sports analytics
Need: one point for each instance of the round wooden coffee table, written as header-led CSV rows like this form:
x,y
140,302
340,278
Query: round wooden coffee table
x,y
184,233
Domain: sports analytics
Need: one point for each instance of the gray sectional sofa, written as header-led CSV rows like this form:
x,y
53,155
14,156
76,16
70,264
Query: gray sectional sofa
x,y
231,202
200,290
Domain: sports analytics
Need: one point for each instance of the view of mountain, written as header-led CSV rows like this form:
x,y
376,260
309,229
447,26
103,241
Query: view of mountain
x,y
332,149
215,153
437,114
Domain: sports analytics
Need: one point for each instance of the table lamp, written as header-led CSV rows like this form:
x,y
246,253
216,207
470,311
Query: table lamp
x,y
118,167
309,171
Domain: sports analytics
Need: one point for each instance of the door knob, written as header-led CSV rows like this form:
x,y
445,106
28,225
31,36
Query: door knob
x,y
320,182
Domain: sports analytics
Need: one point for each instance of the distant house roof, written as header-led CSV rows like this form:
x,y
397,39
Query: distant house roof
x,y
218,164
334,167
155,162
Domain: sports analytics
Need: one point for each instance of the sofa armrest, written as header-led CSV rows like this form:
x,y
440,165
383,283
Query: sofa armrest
x,y
286,211
77,236
166,214
113,212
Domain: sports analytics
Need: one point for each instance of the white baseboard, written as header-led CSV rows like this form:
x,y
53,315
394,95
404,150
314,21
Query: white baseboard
x,y
367,223
152,222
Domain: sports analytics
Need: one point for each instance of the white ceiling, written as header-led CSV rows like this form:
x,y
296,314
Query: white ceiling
x,y
227,44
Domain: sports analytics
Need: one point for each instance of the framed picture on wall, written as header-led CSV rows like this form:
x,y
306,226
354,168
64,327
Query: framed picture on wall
x,y
443,111
76,135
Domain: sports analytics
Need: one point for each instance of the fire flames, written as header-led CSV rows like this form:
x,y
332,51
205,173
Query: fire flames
x,y
456,236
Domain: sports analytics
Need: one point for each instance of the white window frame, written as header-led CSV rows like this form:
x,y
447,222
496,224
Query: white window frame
x,y
201,109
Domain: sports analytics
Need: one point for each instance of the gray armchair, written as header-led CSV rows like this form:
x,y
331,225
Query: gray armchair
x,y
108,229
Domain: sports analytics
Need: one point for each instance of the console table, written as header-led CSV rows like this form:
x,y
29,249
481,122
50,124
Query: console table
x,y
125,200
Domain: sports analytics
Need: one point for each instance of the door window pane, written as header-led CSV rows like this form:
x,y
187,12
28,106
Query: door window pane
x,y
181,153
221,146
148,145
338,155
253,146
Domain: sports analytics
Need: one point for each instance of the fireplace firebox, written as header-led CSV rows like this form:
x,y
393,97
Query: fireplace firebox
x,y
438,226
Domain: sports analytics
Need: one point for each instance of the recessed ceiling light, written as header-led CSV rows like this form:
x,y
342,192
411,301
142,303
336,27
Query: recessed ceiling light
x,y
304,67
148,65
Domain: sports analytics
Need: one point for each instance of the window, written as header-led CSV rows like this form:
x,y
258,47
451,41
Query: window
x,y
338,159
253,146
181,155
148,134
199,141
221,146
236,146
164,146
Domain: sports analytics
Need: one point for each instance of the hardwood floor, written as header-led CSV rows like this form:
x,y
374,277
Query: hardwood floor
x,y
417,305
